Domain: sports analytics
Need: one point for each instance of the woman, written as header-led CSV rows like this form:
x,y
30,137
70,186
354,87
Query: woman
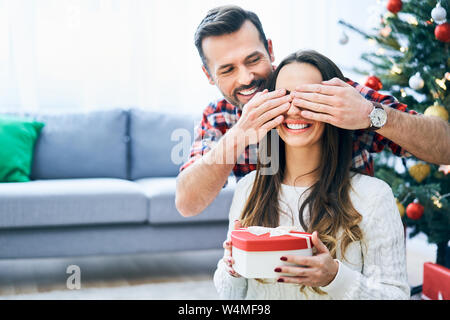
x,y
360,253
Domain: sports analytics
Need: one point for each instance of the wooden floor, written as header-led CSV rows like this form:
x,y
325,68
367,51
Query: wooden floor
x,y
24,276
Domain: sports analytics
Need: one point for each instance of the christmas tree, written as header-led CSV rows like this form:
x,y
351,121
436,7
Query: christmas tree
x,y
411,61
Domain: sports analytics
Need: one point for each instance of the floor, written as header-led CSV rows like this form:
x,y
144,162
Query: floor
x,y
22,276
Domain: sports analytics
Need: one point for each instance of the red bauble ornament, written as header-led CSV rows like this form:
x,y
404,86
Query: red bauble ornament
x,y
442,32
415,210
374,83
394,6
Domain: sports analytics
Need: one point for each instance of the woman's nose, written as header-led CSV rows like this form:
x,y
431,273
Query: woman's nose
x,y
294,110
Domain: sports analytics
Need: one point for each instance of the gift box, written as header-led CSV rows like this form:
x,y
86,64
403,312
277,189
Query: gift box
x,y
436,282
257,250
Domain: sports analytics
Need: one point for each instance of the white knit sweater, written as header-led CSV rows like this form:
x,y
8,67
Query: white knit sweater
x,y
376,270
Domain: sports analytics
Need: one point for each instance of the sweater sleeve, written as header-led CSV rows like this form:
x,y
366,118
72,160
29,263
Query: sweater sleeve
x,y
227,286
384,274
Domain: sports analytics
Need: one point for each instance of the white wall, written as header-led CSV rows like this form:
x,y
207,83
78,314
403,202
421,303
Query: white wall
x,y
88,54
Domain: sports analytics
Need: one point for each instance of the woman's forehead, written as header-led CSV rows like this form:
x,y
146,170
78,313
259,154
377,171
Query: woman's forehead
x,y
295,74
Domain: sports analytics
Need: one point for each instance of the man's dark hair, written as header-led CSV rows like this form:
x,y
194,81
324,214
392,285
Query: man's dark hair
x,y
225,20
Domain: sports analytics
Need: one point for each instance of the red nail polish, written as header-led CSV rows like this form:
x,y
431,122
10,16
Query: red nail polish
x,y
280,280
283,259
277,270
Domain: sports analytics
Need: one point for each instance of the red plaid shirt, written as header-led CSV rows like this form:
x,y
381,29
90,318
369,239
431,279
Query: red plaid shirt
x,y
220,116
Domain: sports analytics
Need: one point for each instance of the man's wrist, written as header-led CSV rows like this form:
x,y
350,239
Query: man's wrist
x,y
377,117
235,140
369,108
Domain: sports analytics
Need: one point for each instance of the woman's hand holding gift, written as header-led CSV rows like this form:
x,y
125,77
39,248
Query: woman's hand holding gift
x,y
315,271
227,258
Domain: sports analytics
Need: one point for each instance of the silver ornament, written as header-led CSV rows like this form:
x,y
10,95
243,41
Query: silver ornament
x,y
439,14
416,82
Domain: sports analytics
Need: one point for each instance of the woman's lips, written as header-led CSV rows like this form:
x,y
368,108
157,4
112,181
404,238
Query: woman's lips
x,y
297,127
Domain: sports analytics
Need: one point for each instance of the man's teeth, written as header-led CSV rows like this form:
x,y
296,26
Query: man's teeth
x,y
248,92
297,126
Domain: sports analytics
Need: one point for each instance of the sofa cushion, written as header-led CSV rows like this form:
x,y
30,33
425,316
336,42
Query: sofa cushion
x,y
82,145
162,209
71,202
151,142
17,139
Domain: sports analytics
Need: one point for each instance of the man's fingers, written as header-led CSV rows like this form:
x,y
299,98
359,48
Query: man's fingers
x,y
335,82
313,106
315,97
269,125
256,101
275,112
318,117
273,103
319,88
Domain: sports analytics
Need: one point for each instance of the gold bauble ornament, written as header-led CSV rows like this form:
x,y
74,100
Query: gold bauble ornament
x,y
437,111
419,171
400,207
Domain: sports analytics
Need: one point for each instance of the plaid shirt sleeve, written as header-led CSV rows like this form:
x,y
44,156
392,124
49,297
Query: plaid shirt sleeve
x,y
370,140
206,136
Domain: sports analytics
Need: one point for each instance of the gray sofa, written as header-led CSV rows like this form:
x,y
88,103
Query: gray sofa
x,y
103,183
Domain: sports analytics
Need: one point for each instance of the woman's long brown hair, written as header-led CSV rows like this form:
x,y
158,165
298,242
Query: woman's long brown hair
x,y
328,199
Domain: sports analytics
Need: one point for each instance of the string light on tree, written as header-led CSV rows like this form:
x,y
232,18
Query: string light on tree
x,y
372,41
437,201
381,51
403,92
413,21
447,76
396,70
386,31
441,83
444,168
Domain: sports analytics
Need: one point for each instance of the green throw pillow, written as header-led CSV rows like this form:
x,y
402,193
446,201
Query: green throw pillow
x,y
17,139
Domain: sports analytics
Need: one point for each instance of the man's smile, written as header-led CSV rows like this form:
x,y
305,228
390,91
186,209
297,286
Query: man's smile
x,y
248,92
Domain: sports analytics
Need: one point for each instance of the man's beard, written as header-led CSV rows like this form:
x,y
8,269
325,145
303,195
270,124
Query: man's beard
x,y
234,100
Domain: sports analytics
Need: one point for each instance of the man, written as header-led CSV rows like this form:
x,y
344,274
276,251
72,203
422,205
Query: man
x,y
238,58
